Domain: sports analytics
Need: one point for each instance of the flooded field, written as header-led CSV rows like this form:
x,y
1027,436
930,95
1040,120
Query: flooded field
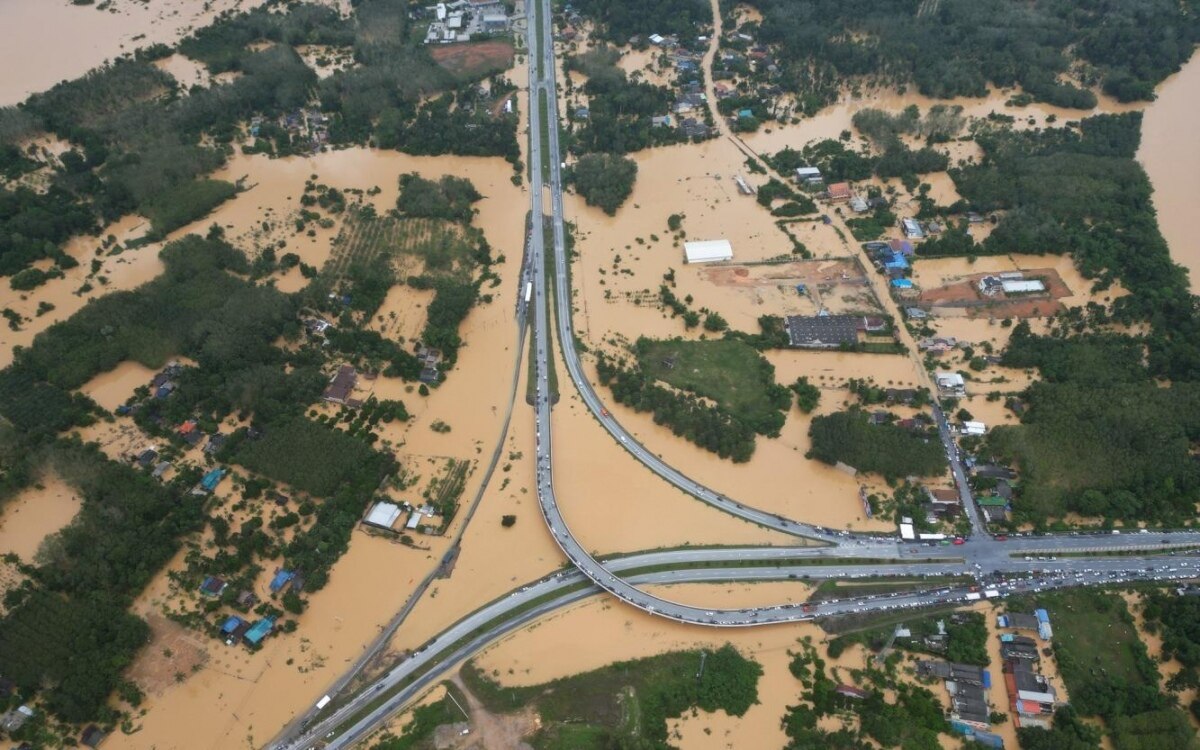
x,y
35,513
1172,159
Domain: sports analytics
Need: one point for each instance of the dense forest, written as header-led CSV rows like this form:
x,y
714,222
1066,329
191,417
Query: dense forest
x,y
886,449
1125,47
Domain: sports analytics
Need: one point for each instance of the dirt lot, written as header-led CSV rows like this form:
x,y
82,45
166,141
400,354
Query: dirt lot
x,y
962,297
173,654
473,59
835,284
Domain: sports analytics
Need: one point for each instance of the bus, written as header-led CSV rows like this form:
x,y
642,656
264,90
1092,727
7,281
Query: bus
x,y
528,291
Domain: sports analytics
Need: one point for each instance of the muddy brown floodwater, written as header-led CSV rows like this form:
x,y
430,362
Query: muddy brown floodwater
x,y
1170,152
35,513
48,41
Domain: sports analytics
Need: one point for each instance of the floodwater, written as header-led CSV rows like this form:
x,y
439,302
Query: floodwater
x,y
111,389
53,40
1171,155
34,514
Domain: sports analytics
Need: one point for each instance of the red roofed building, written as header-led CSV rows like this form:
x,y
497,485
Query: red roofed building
x,y
840,191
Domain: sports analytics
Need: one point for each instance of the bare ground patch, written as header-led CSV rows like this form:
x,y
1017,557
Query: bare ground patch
x,y
963,293
173,654
474,59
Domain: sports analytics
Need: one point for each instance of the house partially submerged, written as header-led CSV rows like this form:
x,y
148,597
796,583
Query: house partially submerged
x,y
341,386
951,384
823,331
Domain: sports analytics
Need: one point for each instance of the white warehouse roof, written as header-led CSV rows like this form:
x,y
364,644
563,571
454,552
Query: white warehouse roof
x,y
708,251
383,515
1023,285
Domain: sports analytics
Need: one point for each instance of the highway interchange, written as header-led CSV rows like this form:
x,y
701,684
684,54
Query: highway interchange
x,y
997,568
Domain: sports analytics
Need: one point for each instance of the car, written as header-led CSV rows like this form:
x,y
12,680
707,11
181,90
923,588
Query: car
x,y
959,540
603,412
1001,537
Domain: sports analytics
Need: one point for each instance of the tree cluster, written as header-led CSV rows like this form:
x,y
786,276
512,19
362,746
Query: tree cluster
x,y
847,437
604,180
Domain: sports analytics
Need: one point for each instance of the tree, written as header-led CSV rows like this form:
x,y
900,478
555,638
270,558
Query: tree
x,y
807,394
508,521
604,180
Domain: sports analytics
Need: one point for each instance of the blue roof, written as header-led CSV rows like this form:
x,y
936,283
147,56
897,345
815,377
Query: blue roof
x,y
231,624
281,579
902,283
260,630
1042,615
897,261
212,479
746,113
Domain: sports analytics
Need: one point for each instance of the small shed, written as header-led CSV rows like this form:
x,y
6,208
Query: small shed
x,y
92,736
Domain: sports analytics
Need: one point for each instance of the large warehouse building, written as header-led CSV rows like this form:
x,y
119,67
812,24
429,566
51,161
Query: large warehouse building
x,y
709,251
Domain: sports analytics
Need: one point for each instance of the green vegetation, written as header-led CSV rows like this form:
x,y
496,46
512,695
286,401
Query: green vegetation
x,y
311,457
627,704
1108,674
961,48
912,722
1179,620
886,449
425,719
728,372
1099,437
604,180
184,203
449,198
620,112
1068,733
966,636
619,21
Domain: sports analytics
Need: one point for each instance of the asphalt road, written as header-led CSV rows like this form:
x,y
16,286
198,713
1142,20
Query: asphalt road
x,y
1021,563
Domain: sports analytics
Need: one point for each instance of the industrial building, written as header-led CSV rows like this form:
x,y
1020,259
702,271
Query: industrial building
x,y
708,251
383,515
823,331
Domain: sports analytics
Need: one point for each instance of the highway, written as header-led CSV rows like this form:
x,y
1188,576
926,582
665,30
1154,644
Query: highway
x,y
997,567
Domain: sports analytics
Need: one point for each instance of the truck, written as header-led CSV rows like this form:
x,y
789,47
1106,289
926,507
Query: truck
x,y
323,702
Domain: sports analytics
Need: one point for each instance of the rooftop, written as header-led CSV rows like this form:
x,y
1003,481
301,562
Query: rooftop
x,y
822,331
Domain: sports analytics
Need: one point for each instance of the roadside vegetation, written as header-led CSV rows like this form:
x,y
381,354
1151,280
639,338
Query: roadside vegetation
x,y
721,392
627,704
848,437
604,180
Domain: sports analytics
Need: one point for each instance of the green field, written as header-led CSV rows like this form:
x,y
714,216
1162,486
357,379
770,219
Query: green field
x,y
441,244
626,704
727,371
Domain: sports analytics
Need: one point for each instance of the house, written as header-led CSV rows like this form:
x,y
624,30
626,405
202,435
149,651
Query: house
x,y
943,495
933,227
900,395
215,443
745,113
912,229
896,261
260,630
974,429
656,39
849,691
808,174
839,192
341,386
994,507
993,470
147,457
231,626
582,113
661,121
210,480
281,580
16,718
495,22
1017,621
858,204
246,599
213,586
693,128
872,324
709,251
383,515
160,469
92,736
414,521
951,384
429,375
879,417
915,313
1022,286
937,344
164,389
190,432
822,331
902,284
902,247
990,285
